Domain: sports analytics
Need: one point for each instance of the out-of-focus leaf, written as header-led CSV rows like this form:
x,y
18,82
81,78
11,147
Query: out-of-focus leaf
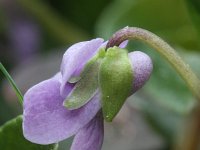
x,y
169,19
165,85
11,137
78,12
193,58
194,10
53,23
162,119
165,99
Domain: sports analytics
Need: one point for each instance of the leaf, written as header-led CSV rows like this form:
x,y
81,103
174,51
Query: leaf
x,y
168,88
11,137
115,80
194,10
87,86
12,82
161,119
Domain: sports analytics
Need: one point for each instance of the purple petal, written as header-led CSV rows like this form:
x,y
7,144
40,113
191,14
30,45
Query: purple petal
x,y
90,137
76,57
142,67
103,45
122,45
46,120
58,77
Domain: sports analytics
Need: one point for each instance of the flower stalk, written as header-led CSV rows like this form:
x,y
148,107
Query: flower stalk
x,y
164,49
12,82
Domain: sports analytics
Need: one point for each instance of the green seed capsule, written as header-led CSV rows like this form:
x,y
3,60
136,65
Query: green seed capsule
x,y
115,81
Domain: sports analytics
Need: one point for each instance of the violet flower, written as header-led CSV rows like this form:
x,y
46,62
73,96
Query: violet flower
x,y
47,121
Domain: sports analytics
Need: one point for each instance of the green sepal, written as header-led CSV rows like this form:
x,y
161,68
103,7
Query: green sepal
x,y
74,79
87,85
115,80
11,138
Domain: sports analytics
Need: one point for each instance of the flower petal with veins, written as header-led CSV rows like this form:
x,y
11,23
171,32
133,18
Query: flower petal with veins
x,y
77,56
46,120
90,137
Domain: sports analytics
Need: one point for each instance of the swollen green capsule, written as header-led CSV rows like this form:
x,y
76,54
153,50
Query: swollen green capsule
x,y
115,81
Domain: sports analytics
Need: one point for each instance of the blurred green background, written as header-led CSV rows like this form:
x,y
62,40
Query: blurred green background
x,y
34,34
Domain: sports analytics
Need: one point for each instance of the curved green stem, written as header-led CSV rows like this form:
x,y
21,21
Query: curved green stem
x,y
12,82
164,49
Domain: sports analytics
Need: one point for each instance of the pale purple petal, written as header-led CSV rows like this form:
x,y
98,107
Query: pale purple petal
x,y
76,57
103,45
142,67
122,45
90,137
46,120
68,87
58,77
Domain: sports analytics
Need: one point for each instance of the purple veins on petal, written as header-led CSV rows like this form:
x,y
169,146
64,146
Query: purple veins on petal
x,y
76,57
142,67
46,120
90,137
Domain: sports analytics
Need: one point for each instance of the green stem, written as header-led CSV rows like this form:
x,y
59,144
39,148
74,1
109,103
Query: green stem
x,y
12,82
164,49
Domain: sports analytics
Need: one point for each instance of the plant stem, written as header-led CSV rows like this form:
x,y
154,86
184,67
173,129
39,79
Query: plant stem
x,y
164,49
12,82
